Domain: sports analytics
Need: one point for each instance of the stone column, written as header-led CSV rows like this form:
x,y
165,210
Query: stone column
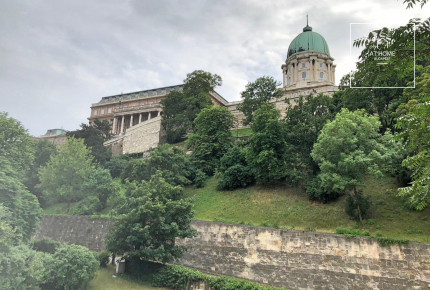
x,y
122,125
140,118
131,120
329,72
114,123
149,116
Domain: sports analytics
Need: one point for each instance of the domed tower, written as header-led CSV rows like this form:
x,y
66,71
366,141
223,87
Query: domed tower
x,y
308,62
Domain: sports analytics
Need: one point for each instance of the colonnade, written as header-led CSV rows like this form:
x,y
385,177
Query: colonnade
x,y
123,122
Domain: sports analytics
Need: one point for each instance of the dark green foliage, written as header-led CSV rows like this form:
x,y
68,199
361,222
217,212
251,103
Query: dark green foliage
x,y
94,136
352,232
88,206
20,267
212,138
179,277
262,91
385,242
358,202
117,164
103,258
173,163
71,267
398,72
235,172
45,245
236,176
304,122
181,108
99,185
42,153
149,219
268,152
315,191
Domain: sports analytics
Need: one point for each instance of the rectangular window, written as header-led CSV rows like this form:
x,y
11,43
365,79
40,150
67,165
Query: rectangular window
x,y
303,75
321,64
303,64
109,110
95,113
102,112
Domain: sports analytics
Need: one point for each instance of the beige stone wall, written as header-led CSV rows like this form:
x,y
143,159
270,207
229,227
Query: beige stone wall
x,y
305,260
142,137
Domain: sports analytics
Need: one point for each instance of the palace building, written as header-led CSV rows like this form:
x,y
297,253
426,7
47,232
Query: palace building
x,y
136,117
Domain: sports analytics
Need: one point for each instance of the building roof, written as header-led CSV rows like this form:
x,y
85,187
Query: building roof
x,y
308,40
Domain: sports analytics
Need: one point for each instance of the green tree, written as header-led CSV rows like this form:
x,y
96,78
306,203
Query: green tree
x,y
304,121
348,148
94,136
16,146
181,108
212,138
20,267
173,163
43,151
398,71
62,178
268,151
414,123
152,216
71,267
262,90
16,157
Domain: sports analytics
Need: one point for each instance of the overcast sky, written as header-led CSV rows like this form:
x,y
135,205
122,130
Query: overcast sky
x,y
58,57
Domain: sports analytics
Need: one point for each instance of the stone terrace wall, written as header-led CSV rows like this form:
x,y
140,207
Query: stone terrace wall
x,y
283,258
305,260
78,230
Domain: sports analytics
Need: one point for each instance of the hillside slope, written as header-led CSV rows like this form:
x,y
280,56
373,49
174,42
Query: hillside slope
x,y
282,206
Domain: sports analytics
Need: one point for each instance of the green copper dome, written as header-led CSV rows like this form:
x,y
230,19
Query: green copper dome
x,y
308,40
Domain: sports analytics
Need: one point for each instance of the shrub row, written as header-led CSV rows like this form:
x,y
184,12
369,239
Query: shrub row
x,y
180,277
382,241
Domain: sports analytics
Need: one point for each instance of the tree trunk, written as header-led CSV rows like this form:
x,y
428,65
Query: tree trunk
x,y
358,205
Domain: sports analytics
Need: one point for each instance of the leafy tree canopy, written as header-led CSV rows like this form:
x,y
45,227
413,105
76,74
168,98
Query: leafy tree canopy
x,y
151,217
181,108
262,90
414,123
62,178
304,121
212,138
398,72
268,150
349,147
94,136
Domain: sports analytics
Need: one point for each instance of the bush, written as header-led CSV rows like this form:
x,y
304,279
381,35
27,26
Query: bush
x,y
45,245
352,232
71,267
179,277
236,176
316,192
352,204
103,258
88,206
199,178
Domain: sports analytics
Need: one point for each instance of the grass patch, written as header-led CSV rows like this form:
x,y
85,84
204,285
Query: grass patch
x,y
104,281
244,132
286,207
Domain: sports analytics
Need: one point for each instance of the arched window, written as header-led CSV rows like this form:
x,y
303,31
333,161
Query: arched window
x,y
303,64
303,75
321,75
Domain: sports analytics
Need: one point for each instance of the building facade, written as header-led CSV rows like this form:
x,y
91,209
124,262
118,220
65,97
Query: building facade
x,y
135,118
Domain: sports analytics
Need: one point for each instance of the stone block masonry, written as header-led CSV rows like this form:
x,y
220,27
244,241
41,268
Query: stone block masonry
x,y
305,260
78,230
277,257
